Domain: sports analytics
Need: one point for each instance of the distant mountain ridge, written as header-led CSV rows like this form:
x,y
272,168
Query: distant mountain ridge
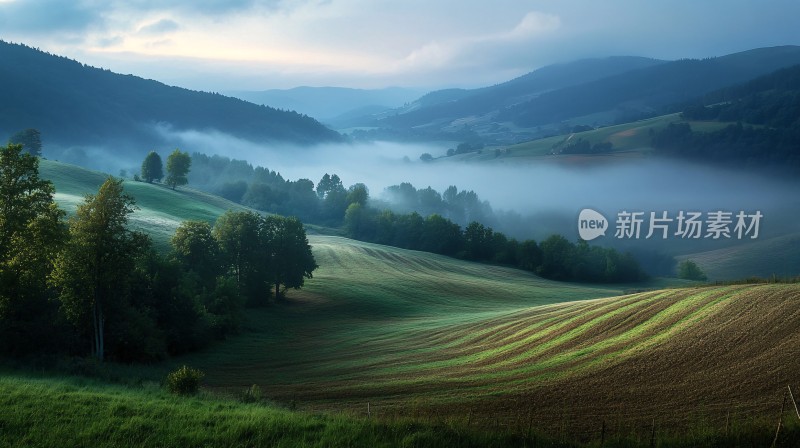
x,y
328,103
594,92
455,103
73,104
648,89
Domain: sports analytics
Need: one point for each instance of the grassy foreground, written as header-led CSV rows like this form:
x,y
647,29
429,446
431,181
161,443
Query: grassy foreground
x,y
42,412
48,412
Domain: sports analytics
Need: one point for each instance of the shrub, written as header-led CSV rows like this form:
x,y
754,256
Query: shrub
x,y
689,270
184,381
252,394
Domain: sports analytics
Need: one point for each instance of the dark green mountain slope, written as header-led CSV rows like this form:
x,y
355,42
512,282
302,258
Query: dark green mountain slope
x,y
74,104
456,103
649,89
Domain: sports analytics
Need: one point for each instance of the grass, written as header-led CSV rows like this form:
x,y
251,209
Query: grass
x,y
413,334
779,256
160,209
47,412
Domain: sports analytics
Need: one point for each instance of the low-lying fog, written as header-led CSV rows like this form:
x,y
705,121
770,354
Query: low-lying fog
x,y
649,184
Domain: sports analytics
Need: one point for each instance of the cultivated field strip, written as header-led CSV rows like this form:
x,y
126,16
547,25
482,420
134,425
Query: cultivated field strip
x,y
401,328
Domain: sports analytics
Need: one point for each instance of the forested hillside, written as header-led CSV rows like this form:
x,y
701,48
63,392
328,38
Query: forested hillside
x,y
767,130
74,104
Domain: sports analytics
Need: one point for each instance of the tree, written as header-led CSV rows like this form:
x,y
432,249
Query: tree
x,y
689,270
358,194
557,258
426,157
30,139
31,233
324,185
478,241
237,234
291,260
178,165
530,256
152,168
93,271
196,249
442,236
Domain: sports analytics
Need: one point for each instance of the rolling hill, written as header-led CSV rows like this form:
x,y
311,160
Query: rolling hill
x,y
779,256
421,335
159,209
73,104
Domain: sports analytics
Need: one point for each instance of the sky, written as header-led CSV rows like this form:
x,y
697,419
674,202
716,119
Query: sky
x,y
224,45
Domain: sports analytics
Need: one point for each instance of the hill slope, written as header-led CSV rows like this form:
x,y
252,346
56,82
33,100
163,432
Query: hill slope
x,y
74,104
665,354
418,334
160,210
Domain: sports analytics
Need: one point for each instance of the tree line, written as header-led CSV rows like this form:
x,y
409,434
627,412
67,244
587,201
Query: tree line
x,y
91,285
451,223
326,201
555,257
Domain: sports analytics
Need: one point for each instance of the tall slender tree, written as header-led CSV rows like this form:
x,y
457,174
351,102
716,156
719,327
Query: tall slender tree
x,y
93,272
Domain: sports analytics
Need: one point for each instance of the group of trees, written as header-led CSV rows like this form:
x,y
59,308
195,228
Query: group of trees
x,y
178,166
555,258
459,206
266,190
91,284
465,147
735,144
326,202
770,107
581,146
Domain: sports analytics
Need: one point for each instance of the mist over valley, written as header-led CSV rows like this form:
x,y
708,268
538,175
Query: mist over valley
x,y
355,223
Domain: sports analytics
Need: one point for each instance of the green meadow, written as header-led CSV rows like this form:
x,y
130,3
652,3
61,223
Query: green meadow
x,y
392,347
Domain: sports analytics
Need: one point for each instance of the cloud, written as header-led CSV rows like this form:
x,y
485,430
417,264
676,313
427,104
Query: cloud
x,y
48,16
482,49
532,24
160,27
259,44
